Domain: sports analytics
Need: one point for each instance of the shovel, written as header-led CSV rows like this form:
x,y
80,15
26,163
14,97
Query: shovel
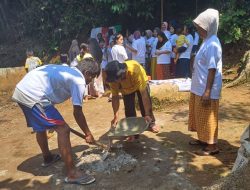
x,y
101,145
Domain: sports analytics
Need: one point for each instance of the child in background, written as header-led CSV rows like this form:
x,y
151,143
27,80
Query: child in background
x,y
32,62
181,43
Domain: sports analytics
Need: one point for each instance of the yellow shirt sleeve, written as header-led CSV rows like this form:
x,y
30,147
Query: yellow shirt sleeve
x,y
139,78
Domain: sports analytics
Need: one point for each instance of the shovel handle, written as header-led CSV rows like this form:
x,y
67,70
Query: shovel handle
x,y
84,137
78,133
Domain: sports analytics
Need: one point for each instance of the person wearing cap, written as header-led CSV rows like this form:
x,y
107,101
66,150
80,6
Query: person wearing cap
x,y
129,78
206,84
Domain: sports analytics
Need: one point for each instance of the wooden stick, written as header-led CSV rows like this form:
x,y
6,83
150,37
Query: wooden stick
x,y
84,137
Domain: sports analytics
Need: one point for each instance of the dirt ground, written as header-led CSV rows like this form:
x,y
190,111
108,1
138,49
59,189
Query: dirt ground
x,y
164,160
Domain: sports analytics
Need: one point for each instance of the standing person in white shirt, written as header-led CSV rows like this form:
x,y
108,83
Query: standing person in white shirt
x,y
164,28
183,63
163,52
153,56
39,91
138,48
172,40
206,84
118,51
149,44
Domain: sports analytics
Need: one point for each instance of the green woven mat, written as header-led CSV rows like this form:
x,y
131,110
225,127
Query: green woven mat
x,y
128,126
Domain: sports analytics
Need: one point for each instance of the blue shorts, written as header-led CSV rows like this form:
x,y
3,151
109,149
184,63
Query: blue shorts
x,y
42,118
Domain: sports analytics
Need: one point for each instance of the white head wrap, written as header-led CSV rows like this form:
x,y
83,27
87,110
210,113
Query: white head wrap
x,y
209,21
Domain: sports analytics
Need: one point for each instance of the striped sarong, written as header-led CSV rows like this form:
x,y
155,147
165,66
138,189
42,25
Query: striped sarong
x,y
203,119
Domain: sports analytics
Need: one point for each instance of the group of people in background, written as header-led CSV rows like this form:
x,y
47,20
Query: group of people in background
x,y
164,53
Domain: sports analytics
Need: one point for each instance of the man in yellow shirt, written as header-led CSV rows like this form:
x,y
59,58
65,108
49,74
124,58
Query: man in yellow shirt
x,y
130,78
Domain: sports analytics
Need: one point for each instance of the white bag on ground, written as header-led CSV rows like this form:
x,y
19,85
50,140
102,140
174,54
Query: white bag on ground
x,y
244,151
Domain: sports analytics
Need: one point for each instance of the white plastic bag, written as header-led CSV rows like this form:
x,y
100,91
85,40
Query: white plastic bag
x,y
244,151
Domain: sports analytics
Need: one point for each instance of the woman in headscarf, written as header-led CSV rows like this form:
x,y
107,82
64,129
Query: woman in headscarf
x,y
206,84
73,50
163,52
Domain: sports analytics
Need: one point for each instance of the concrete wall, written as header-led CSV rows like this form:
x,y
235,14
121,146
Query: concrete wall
x,y
9,77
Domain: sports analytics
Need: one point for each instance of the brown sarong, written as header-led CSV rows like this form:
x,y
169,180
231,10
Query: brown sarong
x,y
163,71
203,119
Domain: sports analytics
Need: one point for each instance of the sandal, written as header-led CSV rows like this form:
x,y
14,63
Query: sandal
x,y
206,152
196,142
55,158
84,180
134,138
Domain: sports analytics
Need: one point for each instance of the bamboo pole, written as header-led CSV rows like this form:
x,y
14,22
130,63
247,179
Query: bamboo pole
x,y
161,11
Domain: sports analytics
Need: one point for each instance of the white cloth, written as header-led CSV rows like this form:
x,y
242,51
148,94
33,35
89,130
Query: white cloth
x,y
209,21
119,53
140,46
196,38
74,63
165,58
55,83
95,31
187,53
209,56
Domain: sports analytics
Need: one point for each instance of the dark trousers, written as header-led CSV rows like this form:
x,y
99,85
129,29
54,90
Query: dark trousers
x,y
129,104
183,68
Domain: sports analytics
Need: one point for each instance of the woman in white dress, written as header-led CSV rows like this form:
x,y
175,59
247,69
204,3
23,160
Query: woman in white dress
x,y
118,51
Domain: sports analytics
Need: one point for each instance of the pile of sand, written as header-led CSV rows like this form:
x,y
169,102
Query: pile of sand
x,y
167,94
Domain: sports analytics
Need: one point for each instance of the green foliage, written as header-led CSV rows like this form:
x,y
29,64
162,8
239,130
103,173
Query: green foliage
x,y
235,22
54,20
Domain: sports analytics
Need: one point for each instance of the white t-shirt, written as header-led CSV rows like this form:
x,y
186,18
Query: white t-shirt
x,y
154,47
196,38
165,58
173,39
119,53
187,53
209,56
140,46
167,34
149,42
55,83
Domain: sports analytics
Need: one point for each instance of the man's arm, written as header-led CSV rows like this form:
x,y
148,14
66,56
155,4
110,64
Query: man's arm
x,y
81,121
115,106
131,49
147,104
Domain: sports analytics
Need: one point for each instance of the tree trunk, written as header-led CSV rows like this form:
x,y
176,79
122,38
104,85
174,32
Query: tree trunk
x,y
245,73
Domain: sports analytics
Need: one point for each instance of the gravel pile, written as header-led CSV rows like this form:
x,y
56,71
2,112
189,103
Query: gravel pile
x,y
238,180
91,160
